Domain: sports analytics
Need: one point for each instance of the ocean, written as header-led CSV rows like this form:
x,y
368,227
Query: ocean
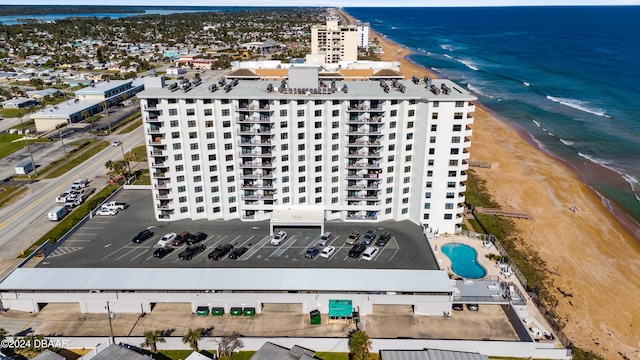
x,y
566,76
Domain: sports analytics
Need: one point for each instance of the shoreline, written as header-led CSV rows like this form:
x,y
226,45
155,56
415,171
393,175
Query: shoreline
x,y
588,252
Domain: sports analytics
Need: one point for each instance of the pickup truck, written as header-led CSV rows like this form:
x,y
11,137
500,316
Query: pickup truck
x,y
219,252
115,205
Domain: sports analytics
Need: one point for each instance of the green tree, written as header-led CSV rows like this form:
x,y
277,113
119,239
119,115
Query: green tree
x,y
359,345
3,334
192,337
228,344
151,338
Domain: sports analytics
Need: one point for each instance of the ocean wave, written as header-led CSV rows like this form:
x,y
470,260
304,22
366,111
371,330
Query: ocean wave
x,y
579,105
536,122
446,47
526,83
479,90
448,56
566,142
635,185
468,63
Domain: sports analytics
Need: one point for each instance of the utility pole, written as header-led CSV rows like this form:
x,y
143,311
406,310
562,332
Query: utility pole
x,y
64,148
106,108
113,341
28,147
124,158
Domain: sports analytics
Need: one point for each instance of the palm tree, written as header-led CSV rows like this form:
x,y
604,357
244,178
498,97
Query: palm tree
x,y
359,345
151,338
192,337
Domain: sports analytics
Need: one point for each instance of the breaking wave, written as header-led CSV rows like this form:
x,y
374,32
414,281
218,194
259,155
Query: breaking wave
x,y
579,105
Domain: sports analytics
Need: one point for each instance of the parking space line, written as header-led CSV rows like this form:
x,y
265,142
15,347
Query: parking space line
x,y
128,252
253,250
283,249
71,240
90,234
135,257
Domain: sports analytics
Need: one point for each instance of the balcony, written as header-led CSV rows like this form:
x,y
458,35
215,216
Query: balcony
x,y
363,132
253,164
254,119
364,119
363,143
160,175
159,164
257,185
162,196
362,198
372,165
369,155
361,176
256,197
362,187
164,185
257,175
155,130
252,131
253,107
156,153
165,205
254,142
255,154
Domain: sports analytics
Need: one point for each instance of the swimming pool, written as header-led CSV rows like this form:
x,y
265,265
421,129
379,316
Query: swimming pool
x,y
464,260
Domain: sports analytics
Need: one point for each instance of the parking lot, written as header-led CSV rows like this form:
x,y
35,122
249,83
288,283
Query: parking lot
x,y
106,241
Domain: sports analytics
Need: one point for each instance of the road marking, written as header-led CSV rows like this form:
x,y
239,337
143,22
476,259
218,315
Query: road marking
x,y
253,250
128,252
142,253
63,250
283,249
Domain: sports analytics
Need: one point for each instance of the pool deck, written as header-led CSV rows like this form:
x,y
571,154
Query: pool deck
x,y
494,273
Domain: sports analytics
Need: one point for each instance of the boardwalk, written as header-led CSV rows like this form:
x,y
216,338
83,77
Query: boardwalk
x,y
504,213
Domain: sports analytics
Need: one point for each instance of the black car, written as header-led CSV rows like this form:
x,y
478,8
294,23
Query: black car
x,y
196,238
219,252
383,239
162,252
237,252
191,251
357,250
311,253
142,236
457,307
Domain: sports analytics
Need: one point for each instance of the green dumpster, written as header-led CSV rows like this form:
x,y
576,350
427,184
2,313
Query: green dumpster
x,y
217,311
235,311
314,317
249,311
202,311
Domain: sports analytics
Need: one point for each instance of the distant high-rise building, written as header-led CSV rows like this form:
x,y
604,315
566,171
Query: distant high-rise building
x,y
335,41
354,150
363,35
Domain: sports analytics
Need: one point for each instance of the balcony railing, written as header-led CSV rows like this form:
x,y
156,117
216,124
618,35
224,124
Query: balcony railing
x,y
360,120
365,176
254,119
250,164
363,143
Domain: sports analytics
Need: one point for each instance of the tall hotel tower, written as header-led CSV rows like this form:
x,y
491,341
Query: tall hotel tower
x,y
365,151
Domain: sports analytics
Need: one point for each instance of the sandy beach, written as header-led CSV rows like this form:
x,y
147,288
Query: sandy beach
x,y
592,258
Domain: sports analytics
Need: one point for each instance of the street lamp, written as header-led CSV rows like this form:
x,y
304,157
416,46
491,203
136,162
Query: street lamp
x,y
28,147
113,341
106,108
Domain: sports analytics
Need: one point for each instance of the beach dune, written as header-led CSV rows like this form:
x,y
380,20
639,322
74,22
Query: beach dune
x,y
592,259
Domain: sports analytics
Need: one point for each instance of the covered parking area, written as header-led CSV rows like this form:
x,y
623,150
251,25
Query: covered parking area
x,y
297,216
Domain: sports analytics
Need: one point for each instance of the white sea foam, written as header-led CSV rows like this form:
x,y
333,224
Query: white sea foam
x,y
536,122
579,105
446,47
635,185
479,90
566,142
633,182
448,56
469,64
526,83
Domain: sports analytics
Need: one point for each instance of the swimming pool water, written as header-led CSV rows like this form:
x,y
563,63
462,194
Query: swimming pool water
x,y
464,260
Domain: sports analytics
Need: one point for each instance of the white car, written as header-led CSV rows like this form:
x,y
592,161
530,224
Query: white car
x,y
116,143
280,237
328,251
370,253
115,205
166,240
106,212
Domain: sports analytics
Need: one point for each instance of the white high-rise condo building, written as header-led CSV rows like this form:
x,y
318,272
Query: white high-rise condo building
x,y
336,42
363,35
358,150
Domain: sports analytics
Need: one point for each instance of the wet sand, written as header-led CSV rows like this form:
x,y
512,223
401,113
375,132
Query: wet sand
x,y
592,258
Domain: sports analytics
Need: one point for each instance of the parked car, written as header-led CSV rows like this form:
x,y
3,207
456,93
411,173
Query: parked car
x,y
191,251
196,238
116,143
181,238
115,205
311,253
325,238
353,237
279,238
384,238
457,307
220,252
79,184
142,236
328,251
237,252
370,253
369,237
106,212
357,250
162,252
473,307
166,239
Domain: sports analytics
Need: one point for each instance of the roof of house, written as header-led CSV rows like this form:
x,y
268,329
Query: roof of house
x,y
270,351
430,354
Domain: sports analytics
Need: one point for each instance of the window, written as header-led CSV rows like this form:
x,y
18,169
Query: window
x,y
191,123
301,136
427,206
285,168
318,136
334,200
407,179
459,103
285,179
173,123
225,112
392,136
301,157
334,190
229,168
411,112
215,189
391,158
284,136
300,102
231,189
193,146
190,101
196,167
173,112
457,127
334,169
434,127
336,102
318,124
448,206
457,116
195,157
198,178
387,211
317,113
286,200
407,158
184,209
215,199
318,147
283,102
425,217
430,173
214,178
208,123
427,195
182,189
392,147
232,199
193,135
390,169
318,190
334,179
429,184
231,178
228,147
448,216
233,209
182,199
335,147
335,124
410,124
228,157
451,184
179,167
285,157
302,179
410,136
430,162
283,113
412,102
211,146
284,147
177,157
200,209
453,162
180,178
302,168
207,101
302,189
453,173
455,139
285,190
227,135
392,125
432,151
390,180
199,199
432,140
450,195
191,111
303,200
408,147
434,116
208,112
455,151
393,113
335,113
300,113
172,101
405,200
226,123
335,136
318,200
175,135
436,103
404,211
212,157
318,168
405,190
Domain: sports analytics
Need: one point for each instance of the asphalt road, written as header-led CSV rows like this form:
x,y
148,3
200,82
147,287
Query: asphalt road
x,y
25,220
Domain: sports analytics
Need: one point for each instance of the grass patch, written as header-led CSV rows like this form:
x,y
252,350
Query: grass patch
x,y
8,146
242,355
10,193
143,178
341,356
72,219
171,354
75,158
139,153
13,113
131,125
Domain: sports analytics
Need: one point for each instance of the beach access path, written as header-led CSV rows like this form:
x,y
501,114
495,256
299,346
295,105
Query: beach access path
x,y
593,259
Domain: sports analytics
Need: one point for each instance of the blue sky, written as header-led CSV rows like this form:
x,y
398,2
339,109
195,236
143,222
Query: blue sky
x,y
341,3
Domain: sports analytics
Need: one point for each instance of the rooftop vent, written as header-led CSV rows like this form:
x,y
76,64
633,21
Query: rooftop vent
x,y
197,82
270,88
445,89
345,89
434,89
173,87
221,82
415,80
